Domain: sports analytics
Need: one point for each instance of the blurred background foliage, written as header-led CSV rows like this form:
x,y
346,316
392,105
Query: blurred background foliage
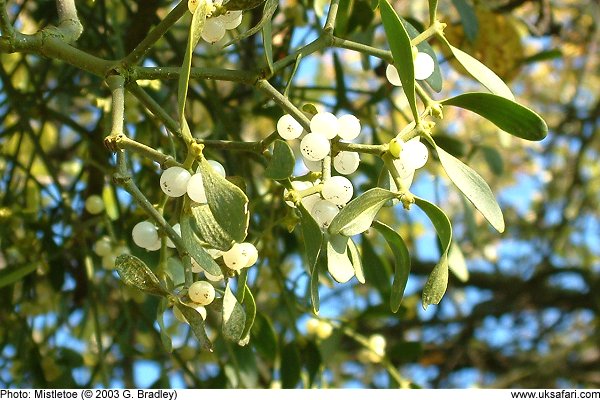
x,y
528,316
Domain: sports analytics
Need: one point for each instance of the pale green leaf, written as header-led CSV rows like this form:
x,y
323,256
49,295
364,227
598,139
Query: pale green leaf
x,y
135,273
250,313
435,81
483,74
438,279
227,202
473,187
281,165
356,261
193,245
196,323
234,317
338,264
313,238
468,18
457,263
358,214
268,44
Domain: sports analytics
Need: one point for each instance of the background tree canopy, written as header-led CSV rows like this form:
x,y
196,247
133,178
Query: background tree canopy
x,y
524,313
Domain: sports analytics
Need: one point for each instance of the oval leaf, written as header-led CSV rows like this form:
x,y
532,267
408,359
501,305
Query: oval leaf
x,y
402,258
481,73
358,215
338,263
227,202
135,273
356,261
401,49
313,238
208,229
457,263
436,284
282,162
196,323
474,188
194,247
509,116
234,317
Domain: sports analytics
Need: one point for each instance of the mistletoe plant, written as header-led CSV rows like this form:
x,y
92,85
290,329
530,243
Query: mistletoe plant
x,y
209,210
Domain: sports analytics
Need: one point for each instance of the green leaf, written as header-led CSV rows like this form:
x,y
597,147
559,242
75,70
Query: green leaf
x,y
432,9
356,261
250,312
313,238
338,263
468,19
310,109
343,16
135,273
457,263
242,370
401,52
436,284
11,275
268,11
208,229
435,81
450,144
227,202
377,272
281,165
268,44
483,74
196,323
196,27
494,159
290,366
234,317
509,116
543,55
164,337
312,359
264,338
473,187
194,247
359,213
402,258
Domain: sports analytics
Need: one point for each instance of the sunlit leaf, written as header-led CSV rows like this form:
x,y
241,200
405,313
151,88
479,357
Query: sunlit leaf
x,y
457,263
227,202
356,261
359,213
338,264
436,284
234,317
473,187
313,238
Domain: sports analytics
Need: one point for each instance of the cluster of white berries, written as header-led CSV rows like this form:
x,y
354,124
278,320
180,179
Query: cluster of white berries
x,y
413,156
424,67
177,181
315,146
215,28
106,249
376,350
318,328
